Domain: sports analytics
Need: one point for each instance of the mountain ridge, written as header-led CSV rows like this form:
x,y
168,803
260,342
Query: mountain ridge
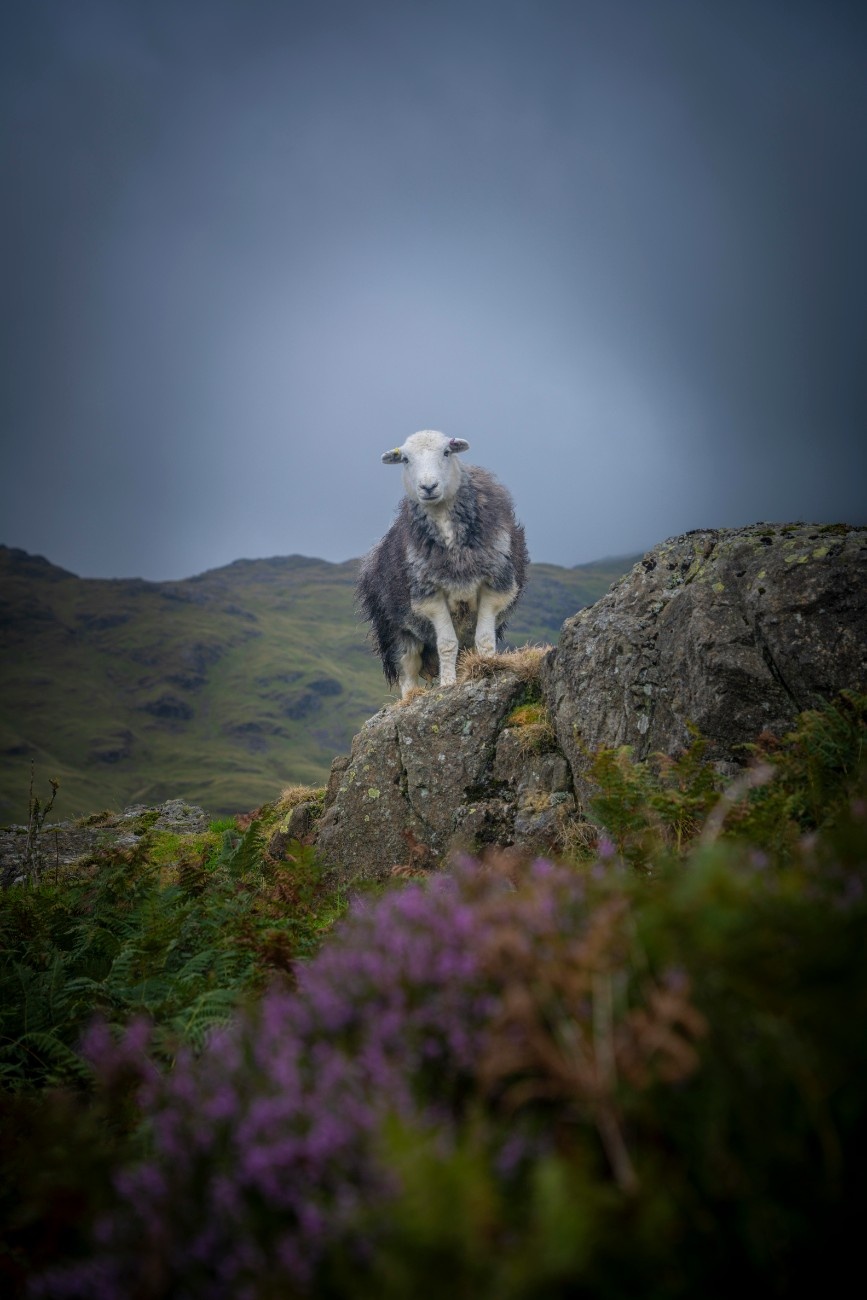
x,y
220,688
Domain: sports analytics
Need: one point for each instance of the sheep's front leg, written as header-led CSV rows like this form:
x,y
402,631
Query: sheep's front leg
x,y
436,609
491,603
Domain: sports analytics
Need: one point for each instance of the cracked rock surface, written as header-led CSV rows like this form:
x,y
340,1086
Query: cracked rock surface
x,y
423,780
735,631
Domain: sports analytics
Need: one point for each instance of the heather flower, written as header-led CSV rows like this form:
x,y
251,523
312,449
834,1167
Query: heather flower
x,y
263,1149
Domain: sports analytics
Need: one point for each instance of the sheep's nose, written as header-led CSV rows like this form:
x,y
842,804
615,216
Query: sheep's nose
x,y
429,488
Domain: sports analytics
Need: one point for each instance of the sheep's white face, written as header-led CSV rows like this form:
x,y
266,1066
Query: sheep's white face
x,y
431,472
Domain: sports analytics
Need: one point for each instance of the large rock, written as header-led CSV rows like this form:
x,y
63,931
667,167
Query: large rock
x,y
735,631
440,773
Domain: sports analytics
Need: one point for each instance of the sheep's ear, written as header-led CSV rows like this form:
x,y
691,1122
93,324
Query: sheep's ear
x,y
393,457
459,444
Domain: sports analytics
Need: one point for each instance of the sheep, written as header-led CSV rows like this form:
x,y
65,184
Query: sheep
x,y
450,569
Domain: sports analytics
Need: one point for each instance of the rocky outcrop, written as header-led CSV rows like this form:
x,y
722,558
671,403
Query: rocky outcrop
x,y
445,771
62,843
733,632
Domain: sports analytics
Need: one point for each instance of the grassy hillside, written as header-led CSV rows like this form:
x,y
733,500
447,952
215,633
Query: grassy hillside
x,y
219,689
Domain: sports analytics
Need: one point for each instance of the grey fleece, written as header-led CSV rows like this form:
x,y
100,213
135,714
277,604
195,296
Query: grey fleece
x,y
412,563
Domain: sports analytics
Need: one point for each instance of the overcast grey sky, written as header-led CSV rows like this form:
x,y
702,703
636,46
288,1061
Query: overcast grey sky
x,y
248,245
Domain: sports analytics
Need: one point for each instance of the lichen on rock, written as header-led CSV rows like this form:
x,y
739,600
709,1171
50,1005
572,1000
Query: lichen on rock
x,y
449,775
720,629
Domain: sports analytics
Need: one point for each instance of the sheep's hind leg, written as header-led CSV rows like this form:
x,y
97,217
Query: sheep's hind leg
x,y
436,609
491,603
409,668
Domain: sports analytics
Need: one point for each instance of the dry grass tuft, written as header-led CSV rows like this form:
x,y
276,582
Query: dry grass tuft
x,y
295,794
526,715
525,663
532,727
536,738
415,694
578,839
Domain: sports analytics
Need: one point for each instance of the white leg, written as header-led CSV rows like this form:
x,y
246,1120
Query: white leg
x,y
409,670
491,603
437,610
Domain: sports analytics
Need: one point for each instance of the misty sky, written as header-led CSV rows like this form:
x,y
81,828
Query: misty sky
x,y
247,245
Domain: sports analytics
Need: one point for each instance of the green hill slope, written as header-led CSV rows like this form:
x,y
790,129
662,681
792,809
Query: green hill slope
x,y
220,688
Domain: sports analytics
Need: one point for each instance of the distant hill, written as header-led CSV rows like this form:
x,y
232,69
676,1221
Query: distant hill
x,y
220,688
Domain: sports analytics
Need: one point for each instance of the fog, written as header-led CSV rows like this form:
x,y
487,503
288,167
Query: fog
x,y
248,246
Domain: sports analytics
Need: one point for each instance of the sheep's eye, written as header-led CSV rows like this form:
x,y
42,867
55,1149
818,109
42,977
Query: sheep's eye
x,y
404,460
447,452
